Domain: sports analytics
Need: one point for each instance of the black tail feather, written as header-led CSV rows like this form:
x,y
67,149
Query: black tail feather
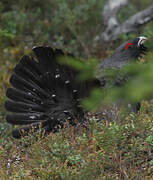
x,y
25,118
44,92
20,83
22,96
14,106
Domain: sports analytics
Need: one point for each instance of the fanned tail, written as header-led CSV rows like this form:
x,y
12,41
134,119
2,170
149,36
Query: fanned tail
x,y
44,93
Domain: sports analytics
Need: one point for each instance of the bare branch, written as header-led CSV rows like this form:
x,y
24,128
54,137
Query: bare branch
x,y
113,28
138,19
110,10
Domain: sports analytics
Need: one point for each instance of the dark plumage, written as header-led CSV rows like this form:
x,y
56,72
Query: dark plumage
x,y
128,52
45,93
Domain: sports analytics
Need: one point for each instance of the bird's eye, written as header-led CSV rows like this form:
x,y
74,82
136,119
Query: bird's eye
x,y
128,45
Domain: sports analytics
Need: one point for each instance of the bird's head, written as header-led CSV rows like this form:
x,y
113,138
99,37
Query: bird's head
x,y
132,48
126,52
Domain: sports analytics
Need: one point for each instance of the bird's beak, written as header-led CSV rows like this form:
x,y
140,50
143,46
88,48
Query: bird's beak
x,y
141,40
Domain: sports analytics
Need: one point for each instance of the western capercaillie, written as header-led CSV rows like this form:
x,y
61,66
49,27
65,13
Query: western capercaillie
x,y
126,53
46,93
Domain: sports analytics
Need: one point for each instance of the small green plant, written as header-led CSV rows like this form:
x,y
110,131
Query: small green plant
x,y
150,140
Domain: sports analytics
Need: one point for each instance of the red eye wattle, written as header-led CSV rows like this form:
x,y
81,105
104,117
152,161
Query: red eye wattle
x,y
127,45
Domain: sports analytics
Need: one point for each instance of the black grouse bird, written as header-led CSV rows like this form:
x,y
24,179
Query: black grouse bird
x,y
46,93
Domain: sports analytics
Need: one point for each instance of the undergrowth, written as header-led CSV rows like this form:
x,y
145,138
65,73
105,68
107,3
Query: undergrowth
x,y
102,150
